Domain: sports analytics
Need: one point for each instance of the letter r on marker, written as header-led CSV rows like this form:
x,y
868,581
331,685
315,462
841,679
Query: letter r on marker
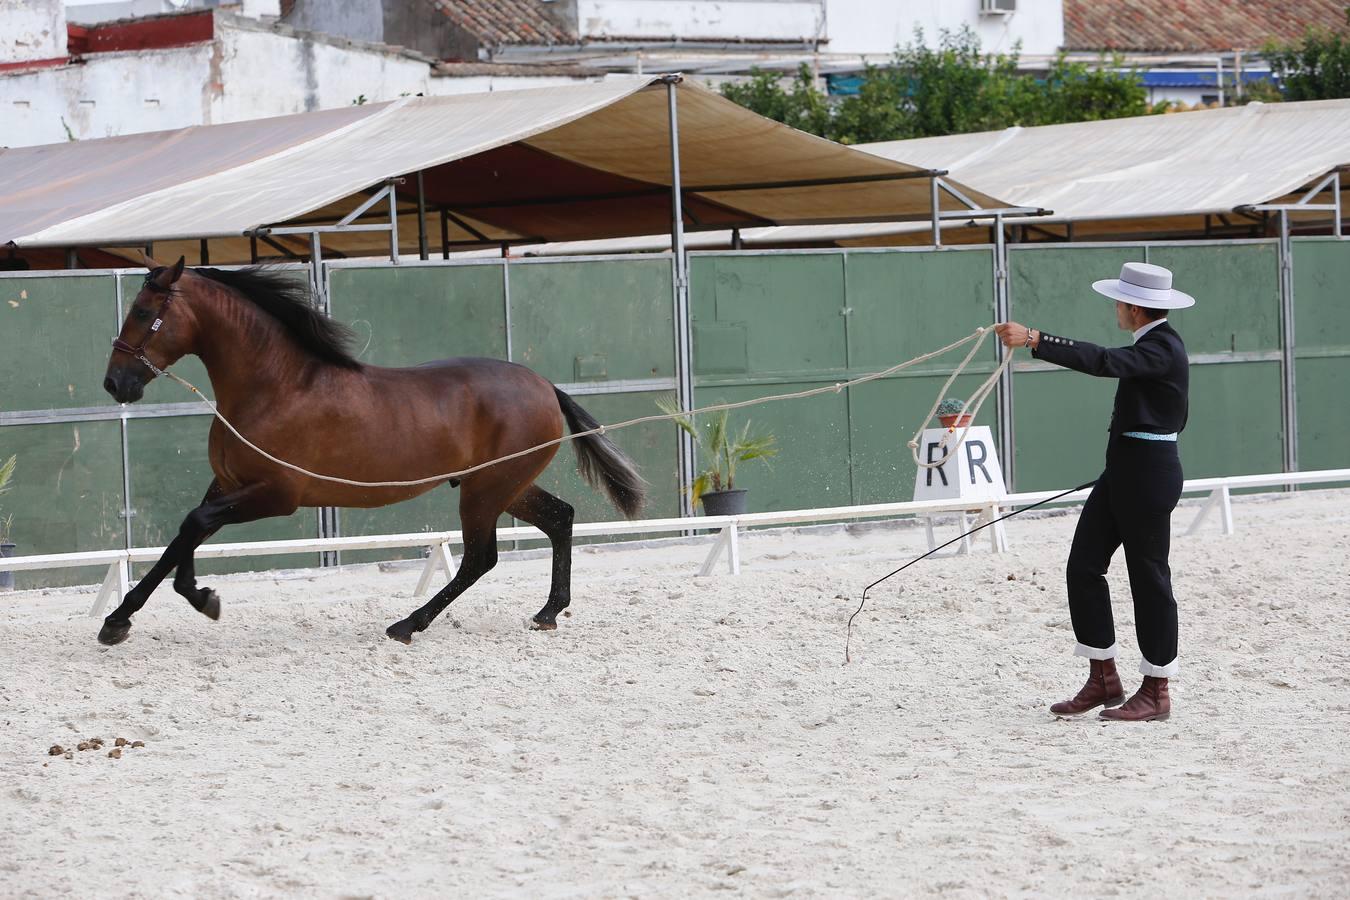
x,y
932,455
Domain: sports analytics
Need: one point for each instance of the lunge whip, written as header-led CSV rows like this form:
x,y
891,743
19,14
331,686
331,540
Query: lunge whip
x,y
1017,512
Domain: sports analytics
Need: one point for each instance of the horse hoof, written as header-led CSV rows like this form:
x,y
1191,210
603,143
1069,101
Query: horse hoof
x,y
401,632
113,632
536,625
210,605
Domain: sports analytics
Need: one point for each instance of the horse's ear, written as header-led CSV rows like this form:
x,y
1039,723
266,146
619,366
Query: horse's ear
x,y
177,270
150,262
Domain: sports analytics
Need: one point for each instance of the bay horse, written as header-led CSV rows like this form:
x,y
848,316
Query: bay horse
x,y
284,374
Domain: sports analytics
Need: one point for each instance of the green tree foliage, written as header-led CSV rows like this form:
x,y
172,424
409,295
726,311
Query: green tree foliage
x,y
951,89
1316,68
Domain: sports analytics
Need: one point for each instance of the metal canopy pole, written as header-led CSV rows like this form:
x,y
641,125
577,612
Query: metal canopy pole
x,y
393,224
1336,186
1003,313
421,217
1288,395
684,356
937,212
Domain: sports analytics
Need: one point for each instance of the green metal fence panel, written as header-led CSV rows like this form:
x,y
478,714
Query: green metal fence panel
x,y
1051,289
1323,413
812,465
170,472
883,416
1237,295
1234,426
415,314
1322,295
1322,369
773,323
54,341
902,305
1061,420
66,494
769,314
594,320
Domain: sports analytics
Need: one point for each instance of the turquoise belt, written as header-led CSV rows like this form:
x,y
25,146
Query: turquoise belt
x,y
1149,436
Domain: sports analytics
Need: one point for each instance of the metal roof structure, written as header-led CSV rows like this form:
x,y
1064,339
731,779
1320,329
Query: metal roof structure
x,y
584,161
1195,174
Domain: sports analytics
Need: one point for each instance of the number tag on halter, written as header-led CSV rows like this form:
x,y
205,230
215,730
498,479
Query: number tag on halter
x,y
155,327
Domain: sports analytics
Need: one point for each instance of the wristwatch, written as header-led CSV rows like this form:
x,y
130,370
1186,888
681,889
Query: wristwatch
x,y
1027,344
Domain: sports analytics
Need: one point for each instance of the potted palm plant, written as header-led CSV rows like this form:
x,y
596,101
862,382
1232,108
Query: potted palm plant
x,y
6,548
722,449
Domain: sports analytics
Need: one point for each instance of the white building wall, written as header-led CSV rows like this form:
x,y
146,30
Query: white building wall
x,y
879,26
112,94
32,29
263,73
88,12
701,20
246,73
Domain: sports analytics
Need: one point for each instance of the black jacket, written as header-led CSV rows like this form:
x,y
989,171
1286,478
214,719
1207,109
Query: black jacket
x,y
1154,376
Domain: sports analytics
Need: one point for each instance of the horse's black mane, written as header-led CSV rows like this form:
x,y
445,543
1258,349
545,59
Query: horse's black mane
x,y
287,301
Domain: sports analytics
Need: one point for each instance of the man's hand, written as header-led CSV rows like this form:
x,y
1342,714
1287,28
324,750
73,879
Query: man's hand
x,y
1014,335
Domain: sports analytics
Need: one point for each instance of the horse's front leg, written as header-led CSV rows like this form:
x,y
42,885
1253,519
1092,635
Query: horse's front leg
x,y
218,509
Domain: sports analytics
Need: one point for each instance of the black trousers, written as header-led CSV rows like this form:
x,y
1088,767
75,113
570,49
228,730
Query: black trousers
x,y
1132,505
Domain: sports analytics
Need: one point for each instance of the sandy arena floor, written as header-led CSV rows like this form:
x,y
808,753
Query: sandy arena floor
x,y
684,736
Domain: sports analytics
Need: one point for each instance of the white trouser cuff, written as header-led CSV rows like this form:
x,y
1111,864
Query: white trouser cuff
x,y
1095,652
1167,671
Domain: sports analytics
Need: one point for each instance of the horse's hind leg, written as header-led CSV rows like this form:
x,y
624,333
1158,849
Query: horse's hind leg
x,y
553,517
480,556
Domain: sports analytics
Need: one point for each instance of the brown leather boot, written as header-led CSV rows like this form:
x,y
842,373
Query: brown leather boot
x,y
1102,689
1149,704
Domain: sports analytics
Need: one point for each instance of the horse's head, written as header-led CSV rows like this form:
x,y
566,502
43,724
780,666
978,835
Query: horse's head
x,y
155,334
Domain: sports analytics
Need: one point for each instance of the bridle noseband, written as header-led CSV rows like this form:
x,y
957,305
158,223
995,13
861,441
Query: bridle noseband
x,y
139,350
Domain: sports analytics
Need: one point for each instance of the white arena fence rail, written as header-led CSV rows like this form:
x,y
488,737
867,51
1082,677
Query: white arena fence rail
x,y
725,540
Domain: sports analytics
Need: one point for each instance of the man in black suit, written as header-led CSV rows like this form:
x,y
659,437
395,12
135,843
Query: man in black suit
x,y
1133,499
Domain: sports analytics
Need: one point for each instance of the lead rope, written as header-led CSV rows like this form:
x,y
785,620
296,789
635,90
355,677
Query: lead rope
x,y
978,398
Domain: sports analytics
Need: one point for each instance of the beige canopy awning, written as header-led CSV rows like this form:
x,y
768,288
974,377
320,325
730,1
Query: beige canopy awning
x,y
576,162
1185,174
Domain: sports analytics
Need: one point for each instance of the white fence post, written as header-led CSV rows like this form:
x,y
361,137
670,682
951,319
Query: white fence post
x,y
1221,498
117,581
439,560
715,551
118,578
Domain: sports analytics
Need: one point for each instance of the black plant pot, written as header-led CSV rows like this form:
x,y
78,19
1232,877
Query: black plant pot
x,y
6,578
724,503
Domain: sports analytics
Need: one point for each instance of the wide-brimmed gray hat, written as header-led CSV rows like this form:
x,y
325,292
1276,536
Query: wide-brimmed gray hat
x,y
1144,285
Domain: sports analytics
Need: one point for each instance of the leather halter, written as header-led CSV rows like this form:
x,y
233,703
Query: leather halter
x,y
138,351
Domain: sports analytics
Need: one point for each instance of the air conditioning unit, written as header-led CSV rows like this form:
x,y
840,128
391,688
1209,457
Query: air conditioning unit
x,y
998,7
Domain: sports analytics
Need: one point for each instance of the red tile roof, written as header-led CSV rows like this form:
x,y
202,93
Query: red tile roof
x,y
1194,25
501,22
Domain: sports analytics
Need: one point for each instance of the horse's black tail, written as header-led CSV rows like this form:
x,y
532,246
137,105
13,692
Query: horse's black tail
x,y
602,464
